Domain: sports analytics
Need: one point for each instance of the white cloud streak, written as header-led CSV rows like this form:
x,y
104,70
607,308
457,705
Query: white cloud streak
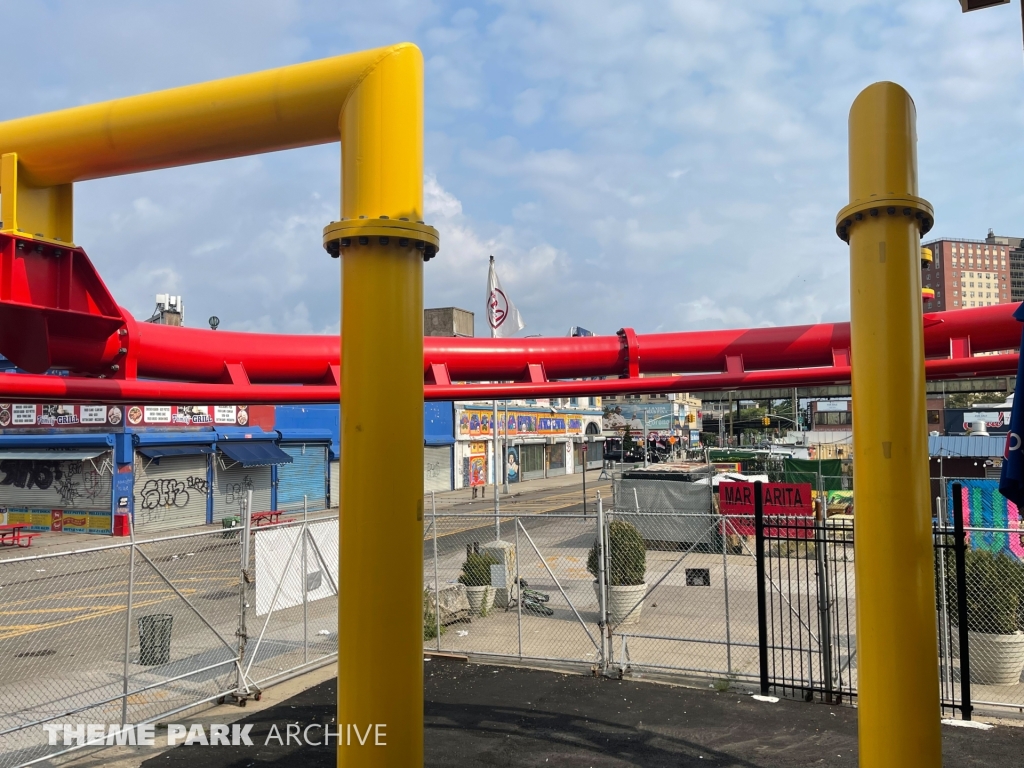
x,y
670,164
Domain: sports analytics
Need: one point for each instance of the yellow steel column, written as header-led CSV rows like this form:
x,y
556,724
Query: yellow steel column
x,y
380,601
897,655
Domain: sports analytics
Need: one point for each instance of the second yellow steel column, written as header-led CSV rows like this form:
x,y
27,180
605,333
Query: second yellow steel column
x,y
382,244
897,654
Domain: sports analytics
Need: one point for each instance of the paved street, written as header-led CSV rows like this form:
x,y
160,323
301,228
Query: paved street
x,y
480,715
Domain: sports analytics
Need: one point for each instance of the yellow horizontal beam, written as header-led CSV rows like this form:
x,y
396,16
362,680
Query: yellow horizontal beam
x,y
293,106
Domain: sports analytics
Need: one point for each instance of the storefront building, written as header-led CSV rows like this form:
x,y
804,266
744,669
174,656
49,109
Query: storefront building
x,y
88,468
542,441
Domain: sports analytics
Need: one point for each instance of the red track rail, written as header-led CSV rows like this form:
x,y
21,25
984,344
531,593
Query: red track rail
x,y
56,312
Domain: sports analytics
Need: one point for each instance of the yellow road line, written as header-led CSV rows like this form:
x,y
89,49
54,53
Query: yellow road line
x,y
30,629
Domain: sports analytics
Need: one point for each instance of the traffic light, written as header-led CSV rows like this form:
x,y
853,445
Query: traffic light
x,y
766,421
690,418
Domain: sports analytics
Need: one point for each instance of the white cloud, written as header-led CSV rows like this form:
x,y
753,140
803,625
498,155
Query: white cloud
x,y
664,165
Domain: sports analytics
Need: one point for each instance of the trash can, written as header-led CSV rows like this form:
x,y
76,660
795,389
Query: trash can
x,y
230,522
155,639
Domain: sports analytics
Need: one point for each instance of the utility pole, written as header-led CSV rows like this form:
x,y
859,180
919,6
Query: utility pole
x,y
504,451
645,437
497,463
730,416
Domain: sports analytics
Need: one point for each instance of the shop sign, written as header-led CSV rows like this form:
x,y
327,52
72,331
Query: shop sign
x,y
51,415
186,415
787,508
477,423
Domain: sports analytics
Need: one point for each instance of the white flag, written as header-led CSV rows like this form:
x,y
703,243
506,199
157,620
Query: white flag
x,y
501,312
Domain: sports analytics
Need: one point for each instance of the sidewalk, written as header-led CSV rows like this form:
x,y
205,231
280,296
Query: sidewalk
x,y
462,500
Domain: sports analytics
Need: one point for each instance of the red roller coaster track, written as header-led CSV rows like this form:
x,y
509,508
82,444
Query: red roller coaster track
x,y
56,312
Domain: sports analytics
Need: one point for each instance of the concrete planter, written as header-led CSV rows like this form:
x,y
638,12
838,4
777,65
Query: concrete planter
x,y
621,600
996,659
480,599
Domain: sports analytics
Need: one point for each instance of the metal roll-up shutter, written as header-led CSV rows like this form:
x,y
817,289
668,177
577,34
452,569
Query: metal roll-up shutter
x,y
43,484
335,483
231,485
52,495
437,468
305,476
170,492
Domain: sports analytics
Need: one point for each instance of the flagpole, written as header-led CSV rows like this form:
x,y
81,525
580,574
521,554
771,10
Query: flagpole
x,y
494,442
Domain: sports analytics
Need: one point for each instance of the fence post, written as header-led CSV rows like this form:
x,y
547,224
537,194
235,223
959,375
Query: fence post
x,y
946,665
243,580
602,622
725,585
824,601
437,584
959,549
519,594
128,621
762,608
305,583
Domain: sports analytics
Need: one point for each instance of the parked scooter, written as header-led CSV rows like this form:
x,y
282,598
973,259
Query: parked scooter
x,y
531,599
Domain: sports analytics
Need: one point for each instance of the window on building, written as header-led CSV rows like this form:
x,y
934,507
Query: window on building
x,y
833,418
956,303
934,416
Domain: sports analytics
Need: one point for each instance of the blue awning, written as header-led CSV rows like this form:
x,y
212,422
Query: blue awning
x,y
159,451
253,453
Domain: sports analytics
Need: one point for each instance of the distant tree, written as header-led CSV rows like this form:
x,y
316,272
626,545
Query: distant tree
x,y
628,444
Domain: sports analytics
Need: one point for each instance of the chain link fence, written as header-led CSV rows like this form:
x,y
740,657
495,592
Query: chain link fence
x,y
134,632
980,595
662,582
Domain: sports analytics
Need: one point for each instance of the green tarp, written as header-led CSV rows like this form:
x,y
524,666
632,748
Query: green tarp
x,y
808,471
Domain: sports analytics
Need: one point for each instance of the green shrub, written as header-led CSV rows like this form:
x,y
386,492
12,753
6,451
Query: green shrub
x,y
430,623
627,556
994,588
476,571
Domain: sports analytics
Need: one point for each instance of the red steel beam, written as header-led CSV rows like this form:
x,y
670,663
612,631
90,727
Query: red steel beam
x,y
190,354
41,388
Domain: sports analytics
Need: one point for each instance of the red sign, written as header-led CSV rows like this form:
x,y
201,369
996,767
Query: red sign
x,y
781,503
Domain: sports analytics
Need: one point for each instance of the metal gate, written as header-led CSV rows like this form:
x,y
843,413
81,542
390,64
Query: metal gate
x,y
807,635
170,491
305,477
231,483
437,468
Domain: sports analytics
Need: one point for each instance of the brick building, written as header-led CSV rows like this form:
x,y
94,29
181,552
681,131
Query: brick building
x,y
971,273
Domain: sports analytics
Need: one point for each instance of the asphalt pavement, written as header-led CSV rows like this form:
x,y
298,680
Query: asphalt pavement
x,y
479,715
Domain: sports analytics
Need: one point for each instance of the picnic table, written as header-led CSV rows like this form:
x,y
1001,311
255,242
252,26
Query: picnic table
x,y
13,535
266,518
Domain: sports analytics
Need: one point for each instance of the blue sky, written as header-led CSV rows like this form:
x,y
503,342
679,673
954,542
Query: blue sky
x,y
660,165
